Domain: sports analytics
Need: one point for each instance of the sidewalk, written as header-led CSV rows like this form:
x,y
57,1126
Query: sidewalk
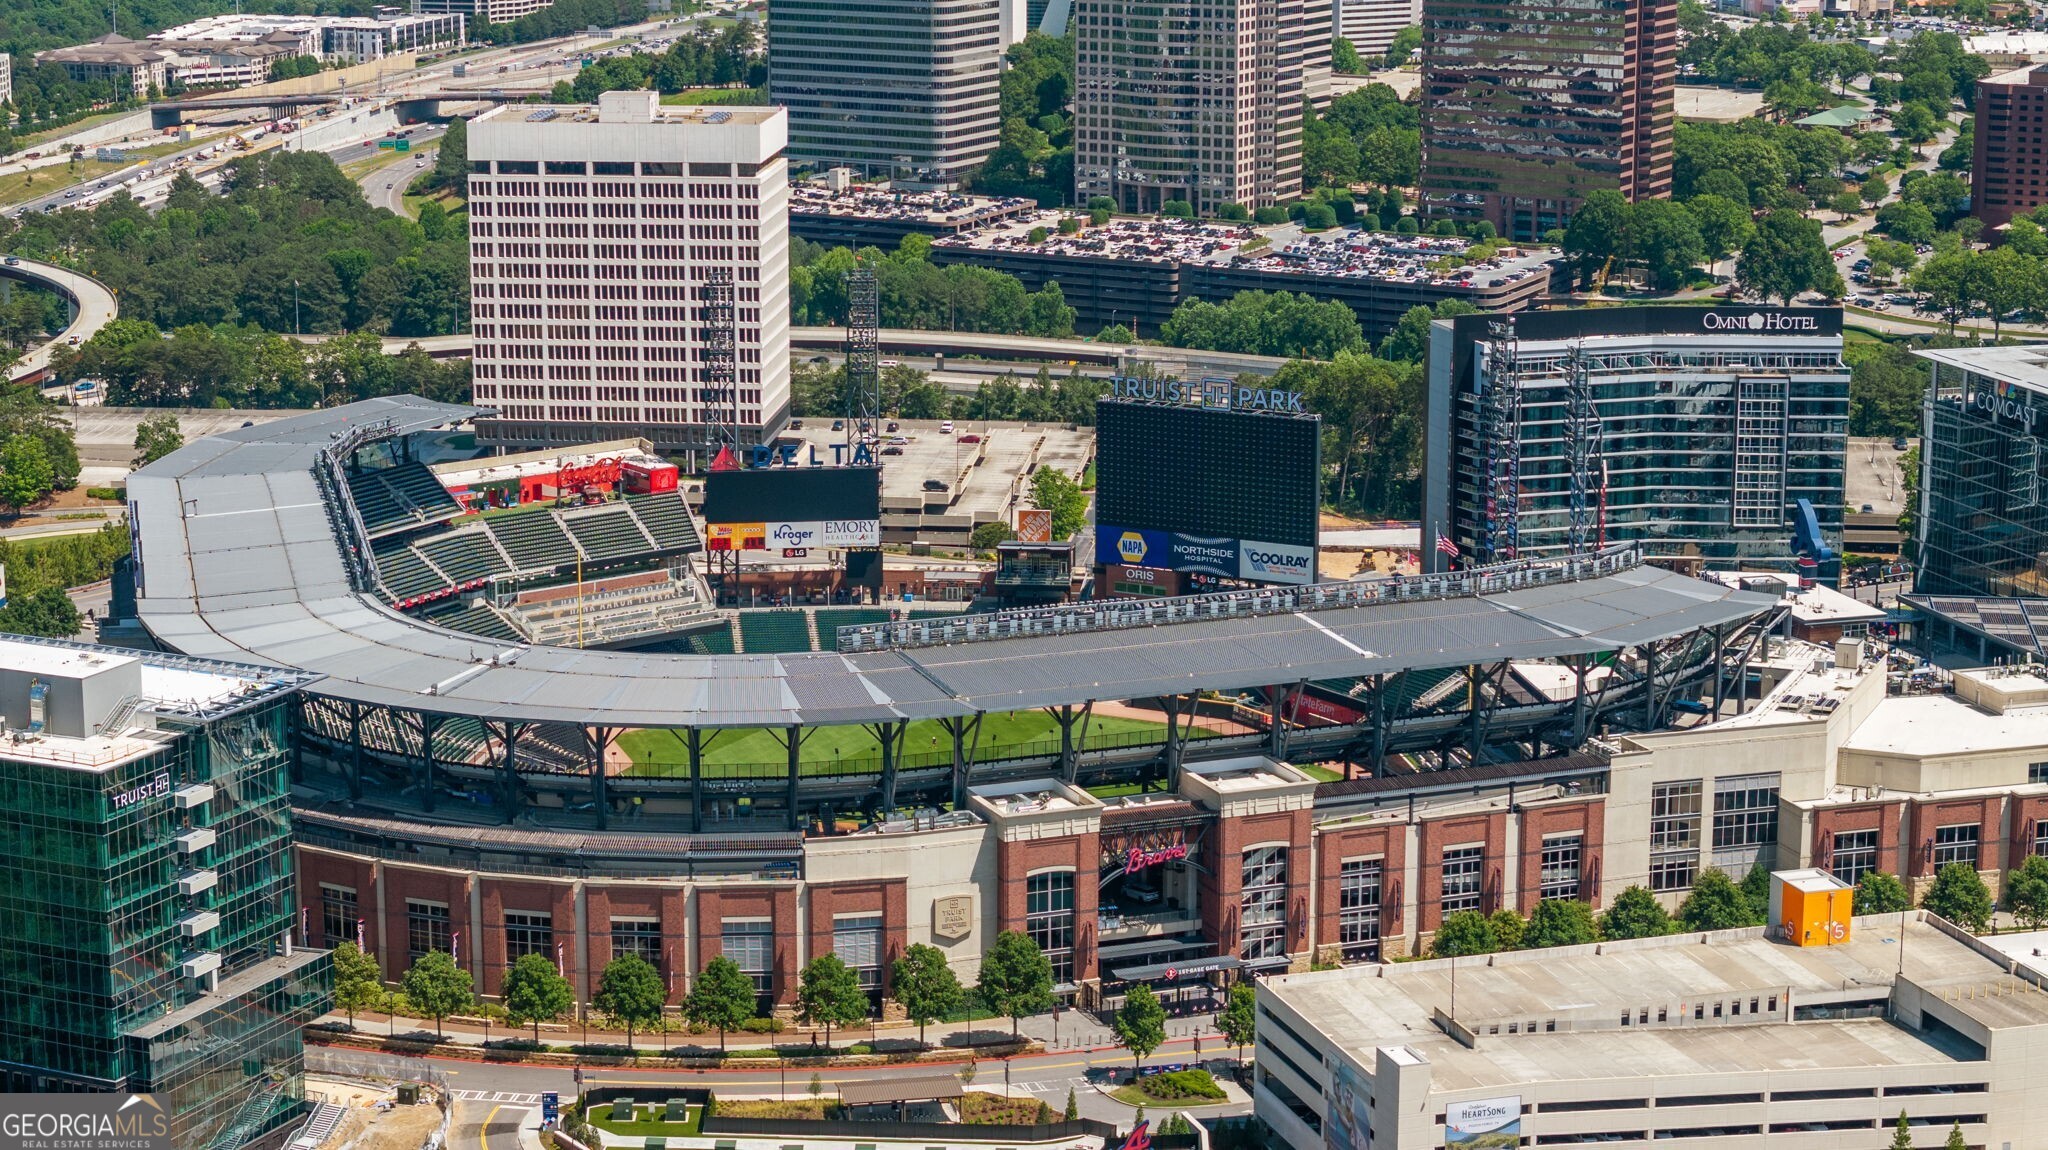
x,y
1072,1030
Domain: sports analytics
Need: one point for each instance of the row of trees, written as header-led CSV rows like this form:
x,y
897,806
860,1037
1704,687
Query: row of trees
x,y
913,292
712,58
1370,135
562,18
290,245
244,366
1015,981
1783,254
1034,153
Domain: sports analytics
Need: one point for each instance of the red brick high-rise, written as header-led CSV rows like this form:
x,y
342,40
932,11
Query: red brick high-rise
x,y
2008,170
1527,105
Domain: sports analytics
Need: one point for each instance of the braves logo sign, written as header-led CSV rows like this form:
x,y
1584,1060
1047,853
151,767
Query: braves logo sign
x,y
1140,858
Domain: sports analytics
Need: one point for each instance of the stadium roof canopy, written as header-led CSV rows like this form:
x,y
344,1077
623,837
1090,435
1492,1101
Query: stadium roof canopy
x,y
240,557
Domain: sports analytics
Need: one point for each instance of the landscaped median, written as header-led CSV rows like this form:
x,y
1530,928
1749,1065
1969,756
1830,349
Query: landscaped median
x,y
694,1057
639,1115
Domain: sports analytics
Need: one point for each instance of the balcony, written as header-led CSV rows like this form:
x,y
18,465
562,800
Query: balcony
x,y
194,840
199,965
192,795
1115,926
194,882
197,923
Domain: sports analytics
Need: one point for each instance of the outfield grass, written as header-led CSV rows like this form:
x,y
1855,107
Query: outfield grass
x,y
752,97
835,750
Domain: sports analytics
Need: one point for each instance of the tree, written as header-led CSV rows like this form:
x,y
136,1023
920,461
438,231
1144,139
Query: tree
x,y
46,611
1463,932
1635,915
1960,896
1756,891
1239,1022
436,987
1955,1140
1715,904
1874,189
829,994
1947,282
1845,204
631,991
1724,225
1666,238
535,992
1907,222
1508,928
451,163
1073,1111
1344,58
1598,233
358,984
1880,893
985,536
1408,341
26,474
2026,892
1139,1025
925,985
1016,977
1560,922
723,997
1786,258
2003,280
1056,491
1404,44
155,437
1902,1134
817,1084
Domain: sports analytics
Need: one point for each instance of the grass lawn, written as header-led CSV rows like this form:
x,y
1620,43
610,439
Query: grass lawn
x,y
1133,1096
644,1126
1318,773
980,1108
30,142
663,752
814,1108
746,96
447,199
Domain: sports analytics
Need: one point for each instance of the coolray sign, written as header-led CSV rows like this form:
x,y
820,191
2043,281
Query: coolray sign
x,y
1486,1124
2004,401
1774,322
83,1122
1275,562
1219,393
1206,555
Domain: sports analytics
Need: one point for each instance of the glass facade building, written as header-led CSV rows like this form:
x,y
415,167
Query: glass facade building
x,y
1527,105
146,889
1983,510
1696,432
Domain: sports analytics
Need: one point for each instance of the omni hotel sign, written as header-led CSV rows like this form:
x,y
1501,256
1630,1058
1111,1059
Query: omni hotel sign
x,y
2004,402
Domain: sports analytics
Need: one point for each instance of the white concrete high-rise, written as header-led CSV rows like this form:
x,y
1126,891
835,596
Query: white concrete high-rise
x,y
594,233
1370,25
909,90
1196,100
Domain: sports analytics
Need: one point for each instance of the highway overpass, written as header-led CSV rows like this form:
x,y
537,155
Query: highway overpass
x,y
418,105
960,349
92,307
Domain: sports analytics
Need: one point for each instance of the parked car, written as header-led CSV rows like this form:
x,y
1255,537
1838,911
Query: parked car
x,y
891,427
934,485
796,425
892,451
946,427
970,439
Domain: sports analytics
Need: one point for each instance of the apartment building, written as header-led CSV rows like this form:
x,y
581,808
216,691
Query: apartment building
x,y
482,11
1370,25
1195,100
596,236
1528,107
904,90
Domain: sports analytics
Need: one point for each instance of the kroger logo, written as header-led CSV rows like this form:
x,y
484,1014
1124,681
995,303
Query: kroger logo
x,y
791,535
1760,322
1131,547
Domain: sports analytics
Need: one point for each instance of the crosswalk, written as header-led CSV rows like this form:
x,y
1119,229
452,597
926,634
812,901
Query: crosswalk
x,y
501,1097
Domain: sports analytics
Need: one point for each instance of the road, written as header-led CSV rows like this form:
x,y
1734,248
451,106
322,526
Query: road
x,y
94,307
384,185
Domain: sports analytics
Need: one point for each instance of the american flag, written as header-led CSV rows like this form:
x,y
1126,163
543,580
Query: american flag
x,y
1444,544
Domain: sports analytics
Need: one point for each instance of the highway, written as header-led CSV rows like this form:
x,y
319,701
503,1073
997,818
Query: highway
x,y
93,307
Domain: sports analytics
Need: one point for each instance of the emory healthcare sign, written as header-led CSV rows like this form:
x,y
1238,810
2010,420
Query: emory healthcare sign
x,y
83,1122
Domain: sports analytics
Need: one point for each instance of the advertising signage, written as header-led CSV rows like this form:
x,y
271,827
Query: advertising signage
x,y
1487,1124
805,495
2005,403
788,536
1208,473
1248,559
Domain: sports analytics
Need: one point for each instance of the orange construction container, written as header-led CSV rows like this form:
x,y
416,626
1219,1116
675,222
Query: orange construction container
x,y
1812,907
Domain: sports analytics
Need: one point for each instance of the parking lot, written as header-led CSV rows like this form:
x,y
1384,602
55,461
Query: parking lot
x,y
943,477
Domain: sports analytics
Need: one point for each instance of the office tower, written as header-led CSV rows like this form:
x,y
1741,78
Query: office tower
x,y
1983,518
1370,25
1195,100
2008,168
907,90
147,912
1526,107
603,243
482,11
1702,434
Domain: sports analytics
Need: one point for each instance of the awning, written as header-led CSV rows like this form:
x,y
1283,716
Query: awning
x,y
927,1088
1175,971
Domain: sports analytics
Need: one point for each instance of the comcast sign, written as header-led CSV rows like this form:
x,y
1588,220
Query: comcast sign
x,y
1778,322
